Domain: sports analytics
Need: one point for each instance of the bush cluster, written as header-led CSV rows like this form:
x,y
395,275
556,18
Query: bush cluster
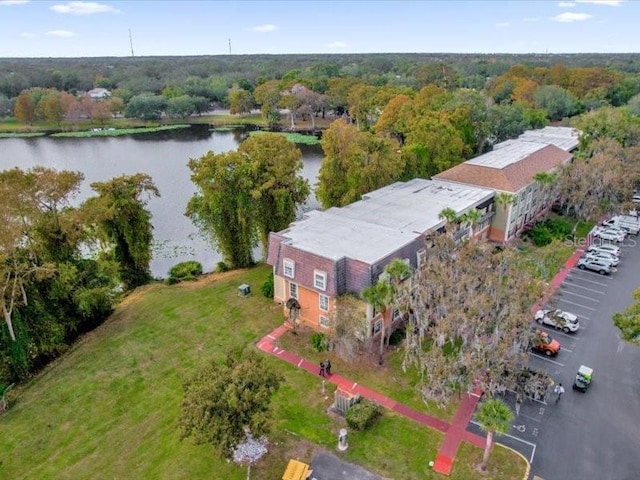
x,y
184,271
363,415
543,233
319,342
267,287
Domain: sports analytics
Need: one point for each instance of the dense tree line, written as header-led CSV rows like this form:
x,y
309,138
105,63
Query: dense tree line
x,y
51,289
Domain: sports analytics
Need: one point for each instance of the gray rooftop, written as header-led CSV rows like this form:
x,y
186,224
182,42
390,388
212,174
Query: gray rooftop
x,y
507,153
335,237
414,205
384,220
566,138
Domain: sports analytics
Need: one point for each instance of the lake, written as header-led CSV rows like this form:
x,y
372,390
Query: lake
x,y
163,156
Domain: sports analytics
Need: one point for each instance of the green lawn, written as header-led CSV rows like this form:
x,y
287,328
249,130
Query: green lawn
x,y
108,408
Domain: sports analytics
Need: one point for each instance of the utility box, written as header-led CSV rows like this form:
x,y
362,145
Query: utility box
x,y
244,290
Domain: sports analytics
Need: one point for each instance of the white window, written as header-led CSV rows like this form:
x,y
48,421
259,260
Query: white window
x,y
396,314
377,326
323,321
293,290
320,280
324,303
289,268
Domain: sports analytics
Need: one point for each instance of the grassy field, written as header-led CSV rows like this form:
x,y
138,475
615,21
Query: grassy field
x,y
108,408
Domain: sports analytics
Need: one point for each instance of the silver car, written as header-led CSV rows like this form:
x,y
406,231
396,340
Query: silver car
x,y
565,321
606,248
605,257
596,265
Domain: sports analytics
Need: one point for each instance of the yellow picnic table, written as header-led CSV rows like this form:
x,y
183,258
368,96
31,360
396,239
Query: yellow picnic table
x,y
296,471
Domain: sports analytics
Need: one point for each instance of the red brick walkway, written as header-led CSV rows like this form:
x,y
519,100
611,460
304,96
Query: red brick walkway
x,y
456,432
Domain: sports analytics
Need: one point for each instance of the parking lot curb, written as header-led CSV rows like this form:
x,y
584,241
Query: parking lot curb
x,y
528,469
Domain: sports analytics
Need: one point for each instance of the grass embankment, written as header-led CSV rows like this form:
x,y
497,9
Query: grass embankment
x,y
109,407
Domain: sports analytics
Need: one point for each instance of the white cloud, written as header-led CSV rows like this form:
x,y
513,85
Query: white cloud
x,y
503,24
264,28
610,3
336,44
61,33
566,4
532,19
7,3
571,17
84,8
28,35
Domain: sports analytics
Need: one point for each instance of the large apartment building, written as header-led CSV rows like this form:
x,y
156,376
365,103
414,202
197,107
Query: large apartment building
x,y
344,250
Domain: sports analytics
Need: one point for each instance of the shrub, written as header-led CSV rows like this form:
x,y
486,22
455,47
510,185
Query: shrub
x,y
267,287
319,342
222,267
540,235
558,227
363,415
184,271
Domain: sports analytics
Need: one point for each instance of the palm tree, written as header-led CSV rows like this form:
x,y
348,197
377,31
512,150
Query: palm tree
x,y
472,217
379,296
382,294
450,215
495,417
504,199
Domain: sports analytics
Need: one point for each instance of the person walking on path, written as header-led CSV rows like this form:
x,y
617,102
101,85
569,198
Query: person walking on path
x,y
327,367
322,369
559,390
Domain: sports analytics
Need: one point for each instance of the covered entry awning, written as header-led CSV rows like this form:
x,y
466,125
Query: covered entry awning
x,y
296,471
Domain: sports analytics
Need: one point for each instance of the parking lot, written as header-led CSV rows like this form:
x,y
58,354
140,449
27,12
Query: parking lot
x,y
596,434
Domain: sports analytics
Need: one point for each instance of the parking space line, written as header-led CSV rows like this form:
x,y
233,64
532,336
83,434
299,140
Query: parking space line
x,y
529,398
578,305
544,357
562,292
530,418
587,288
585,272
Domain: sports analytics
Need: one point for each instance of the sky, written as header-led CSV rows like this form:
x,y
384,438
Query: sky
x,y
93,29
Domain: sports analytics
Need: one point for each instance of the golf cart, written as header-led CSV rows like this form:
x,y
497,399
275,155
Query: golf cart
x,y
583,378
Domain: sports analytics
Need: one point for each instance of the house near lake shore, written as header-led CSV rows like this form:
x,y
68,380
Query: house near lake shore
x,y
344,250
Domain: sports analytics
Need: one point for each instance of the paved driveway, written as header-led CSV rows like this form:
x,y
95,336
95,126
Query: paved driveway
x,y
326,466
593,435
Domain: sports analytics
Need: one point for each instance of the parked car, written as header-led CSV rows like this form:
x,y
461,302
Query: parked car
x,y
604,256
603,268
609,235
565,321
541,342
605,247
628,223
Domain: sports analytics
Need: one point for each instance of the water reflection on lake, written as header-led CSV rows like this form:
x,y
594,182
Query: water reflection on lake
x,y
164,157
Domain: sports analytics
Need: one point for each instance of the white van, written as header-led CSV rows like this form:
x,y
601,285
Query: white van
x,y
630,223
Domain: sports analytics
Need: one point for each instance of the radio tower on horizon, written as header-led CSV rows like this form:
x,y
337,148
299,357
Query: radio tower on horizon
x,y
229,46
131,43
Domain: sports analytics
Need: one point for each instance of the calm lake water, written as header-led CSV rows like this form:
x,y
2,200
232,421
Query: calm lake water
x,y
164,157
